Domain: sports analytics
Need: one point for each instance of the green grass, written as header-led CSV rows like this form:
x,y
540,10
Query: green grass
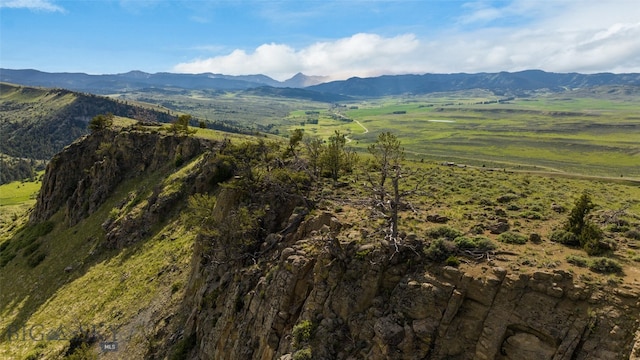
x,y
101,287
119,287
588,132
16,198
583,135
42,99
17,192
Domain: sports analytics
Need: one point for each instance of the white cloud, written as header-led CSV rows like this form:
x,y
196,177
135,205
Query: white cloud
x,y
358,55
563,36
37,5
273,59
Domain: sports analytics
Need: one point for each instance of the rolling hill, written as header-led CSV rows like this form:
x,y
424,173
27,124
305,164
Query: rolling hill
x,y
36,123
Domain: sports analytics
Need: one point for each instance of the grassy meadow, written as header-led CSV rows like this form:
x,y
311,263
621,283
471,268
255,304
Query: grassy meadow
x,y
19,192
584,134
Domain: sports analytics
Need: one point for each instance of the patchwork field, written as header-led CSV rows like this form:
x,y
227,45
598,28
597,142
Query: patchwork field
x,y
576,132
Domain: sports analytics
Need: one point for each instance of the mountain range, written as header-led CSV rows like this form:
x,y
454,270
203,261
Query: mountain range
x,y
500,83
136,80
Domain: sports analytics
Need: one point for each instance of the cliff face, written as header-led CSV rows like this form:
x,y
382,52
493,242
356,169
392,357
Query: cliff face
x,y
311,288
367,302
83,176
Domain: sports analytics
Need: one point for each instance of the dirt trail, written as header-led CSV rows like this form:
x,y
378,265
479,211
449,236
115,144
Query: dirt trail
x,y
362,126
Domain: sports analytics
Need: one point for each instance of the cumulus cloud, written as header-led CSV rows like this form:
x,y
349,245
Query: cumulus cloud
x,y
563,36
36,5
359,55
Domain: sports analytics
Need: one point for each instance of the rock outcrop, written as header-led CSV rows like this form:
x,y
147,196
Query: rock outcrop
x,y
83,176
367,302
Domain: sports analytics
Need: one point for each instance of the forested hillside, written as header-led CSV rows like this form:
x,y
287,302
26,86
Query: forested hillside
x,y
37,123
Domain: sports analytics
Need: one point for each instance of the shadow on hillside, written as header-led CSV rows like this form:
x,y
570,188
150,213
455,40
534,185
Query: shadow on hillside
x,y
38,262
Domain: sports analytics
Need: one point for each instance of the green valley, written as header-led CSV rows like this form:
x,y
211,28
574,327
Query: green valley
x,y
147,240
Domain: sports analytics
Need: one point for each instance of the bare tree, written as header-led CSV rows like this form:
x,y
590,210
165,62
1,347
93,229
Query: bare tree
x,y
388,155
388,166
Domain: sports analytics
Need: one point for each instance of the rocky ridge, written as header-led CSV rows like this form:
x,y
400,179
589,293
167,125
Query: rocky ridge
x,y
314,292
361,303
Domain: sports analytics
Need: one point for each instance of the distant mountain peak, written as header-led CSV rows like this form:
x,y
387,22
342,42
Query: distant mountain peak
x,y
136,74
302,80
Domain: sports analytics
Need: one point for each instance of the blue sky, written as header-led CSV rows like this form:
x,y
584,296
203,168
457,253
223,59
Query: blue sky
x,y
333,38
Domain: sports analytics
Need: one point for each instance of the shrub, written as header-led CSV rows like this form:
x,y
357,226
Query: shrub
x,y
506,198
531,215
463,242
536,208
484,243
565,237
477,229
475,243
302,332
452,261
5,257
83,352
440,249
578,260
30,233
30,249
617,228
304,354
512,238
535,238
513,207
80,346
605,266
578,215
444,232
632,234
225,167
588,234
591,240
101,122
181,125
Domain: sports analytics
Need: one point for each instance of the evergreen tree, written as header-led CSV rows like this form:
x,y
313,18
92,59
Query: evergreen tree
x,y
101,122
334,155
